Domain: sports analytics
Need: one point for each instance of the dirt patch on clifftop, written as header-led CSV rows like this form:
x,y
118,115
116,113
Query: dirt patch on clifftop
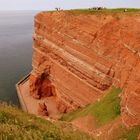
x,y
85,123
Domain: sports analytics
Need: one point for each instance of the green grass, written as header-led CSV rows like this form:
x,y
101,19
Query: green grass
x,y
104,111
104,11
131,134
17,125
121,133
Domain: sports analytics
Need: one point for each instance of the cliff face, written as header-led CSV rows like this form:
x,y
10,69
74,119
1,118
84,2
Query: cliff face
x,y
76,58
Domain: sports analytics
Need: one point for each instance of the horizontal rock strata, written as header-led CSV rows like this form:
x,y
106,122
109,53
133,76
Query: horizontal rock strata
x,y
78,57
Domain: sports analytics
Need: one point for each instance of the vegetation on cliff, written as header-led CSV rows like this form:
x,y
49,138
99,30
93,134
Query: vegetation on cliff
x,y
103,111
106,112
125,134
105,11
17,125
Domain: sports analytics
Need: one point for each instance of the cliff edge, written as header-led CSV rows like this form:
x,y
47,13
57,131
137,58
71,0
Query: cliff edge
x,y
77,57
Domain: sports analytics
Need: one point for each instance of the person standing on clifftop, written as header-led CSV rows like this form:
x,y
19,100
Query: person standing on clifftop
x,y
58,9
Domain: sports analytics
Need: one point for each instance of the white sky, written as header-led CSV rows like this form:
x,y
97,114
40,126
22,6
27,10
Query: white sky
x,y
65,4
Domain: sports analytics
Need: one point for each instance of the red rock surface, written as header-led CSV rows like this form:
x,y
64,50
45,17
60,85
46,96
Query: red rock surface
x,y
78,57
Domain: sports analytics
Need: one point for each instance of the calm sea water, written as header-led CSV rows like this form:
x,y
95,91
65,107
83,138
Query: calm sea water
x,y
16,30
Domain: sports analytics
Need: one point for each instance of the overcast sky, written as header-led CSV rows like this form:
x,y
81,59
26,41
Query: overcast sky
x,y
65,4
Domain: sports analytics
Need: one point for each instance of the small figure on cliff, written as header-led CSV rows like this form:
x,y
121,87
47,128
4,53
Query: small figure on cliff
x,y
58,9
98,8
42,110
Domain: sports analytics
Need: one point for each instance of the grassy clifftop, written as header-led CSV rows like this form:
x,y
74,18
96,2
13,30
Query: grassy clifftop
x,y
117,10
17,125
103,11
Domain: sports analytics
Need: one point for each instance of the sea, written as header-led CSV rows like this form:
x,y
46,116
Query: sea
x,y
16,29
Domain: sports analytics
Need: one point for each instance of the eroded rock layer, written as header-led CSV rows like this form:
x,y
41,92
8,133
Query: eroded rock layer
x,y
76,58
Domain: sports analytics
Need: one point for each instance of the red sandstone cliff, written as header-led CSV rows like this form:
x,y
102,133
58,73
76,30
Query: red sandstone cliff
x,y
76,58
